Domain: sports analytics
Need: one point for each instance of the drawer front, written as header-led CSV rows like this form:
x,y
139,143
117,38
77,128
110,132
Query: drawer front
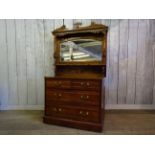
x,y
86,84
58,83
80,84
73,113
73,97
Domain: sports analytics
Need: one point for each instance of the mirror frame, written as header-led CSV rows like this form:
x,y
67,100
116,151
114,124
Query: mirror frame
x,y
94,31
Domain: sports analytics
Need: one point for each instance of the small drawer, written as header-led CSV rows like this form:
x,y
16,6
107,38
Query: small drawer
x,y
73,97
86,84
58,83
73,113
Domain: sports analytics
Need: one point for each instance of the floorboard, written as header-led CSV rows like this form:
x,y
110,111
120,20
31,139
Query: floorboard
x,y
115,123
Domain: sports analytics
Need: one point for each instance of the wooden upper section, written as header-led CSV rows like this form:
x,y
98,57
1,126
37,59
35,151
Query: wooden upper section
x,y
89,69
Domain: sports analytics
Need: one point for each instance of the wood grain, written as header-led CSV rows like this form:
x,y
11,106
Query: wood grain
x,y
152,30
86,22
107,22
39,51
123,57
77,21
68,23
132,58
58,23
4,88
48,47
21,61
12,62
31,61
113,61
26,56
98,21
144,73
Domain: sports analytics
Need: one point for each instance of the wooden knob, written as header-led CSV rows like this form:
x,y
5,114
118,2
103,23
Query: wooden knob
x,y
81,96
81,112
87,97
87,113
88,84
60,109
59,95
82,83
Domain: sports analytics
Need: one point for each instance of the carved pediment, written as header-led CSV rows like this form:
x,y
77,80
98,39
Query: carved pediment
x,y
93,28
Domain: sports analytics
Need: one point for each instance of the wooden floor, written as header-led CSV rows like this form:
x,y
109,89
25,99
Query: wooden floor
x,y
116,122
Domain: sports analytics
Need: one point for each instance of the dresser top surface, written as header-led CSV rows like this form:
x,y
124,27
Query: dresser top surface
x,y
73,78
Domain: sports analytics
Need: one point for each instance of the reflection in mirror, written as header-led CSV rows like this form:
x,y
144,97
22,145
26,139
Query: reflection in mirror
x,y
81,50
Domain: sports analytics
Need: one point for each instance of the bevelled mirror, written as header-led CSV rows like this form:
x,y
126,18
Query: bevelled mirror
x,y
80,50
81,46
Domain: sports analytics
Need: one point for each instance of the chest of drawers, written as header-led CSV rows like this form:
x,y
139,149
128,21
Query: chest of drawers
x,y
74,102
75,96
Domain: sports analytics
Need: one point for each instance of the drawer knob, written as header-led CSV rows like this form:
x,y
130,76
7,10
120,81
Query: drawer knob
x,y
81,96
60,95
88,84
87,97
81,112
60,109
87,113
60,82
82,83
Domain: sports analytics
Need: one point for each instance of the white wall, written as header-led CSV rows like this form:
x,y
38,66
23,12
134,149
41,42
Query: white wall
x,y
26,56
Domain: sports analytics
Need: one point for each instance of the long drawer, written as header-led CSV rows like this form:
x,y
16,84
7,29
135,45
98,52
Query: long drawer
x,y
81,84
73,113
73,97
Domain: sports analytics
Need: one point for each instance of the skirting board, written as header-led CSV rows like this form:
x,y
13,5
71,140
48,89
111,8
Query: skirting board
x,y
130,106
107,107
21,107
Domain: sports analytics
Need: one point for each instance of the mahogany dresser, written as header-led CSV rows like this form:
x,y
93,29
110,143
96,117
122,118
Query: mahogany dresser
x,y
75,96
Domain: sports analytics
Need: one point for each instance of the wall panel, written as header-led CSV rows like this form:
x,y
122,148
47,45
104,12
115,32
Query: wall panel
x,y
107,22
39,51
132,61
48,47
123,57
4,88
31,61
86,22
21,61
69,23
58,23
152,47
12,62
26,56
144,72
113,61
